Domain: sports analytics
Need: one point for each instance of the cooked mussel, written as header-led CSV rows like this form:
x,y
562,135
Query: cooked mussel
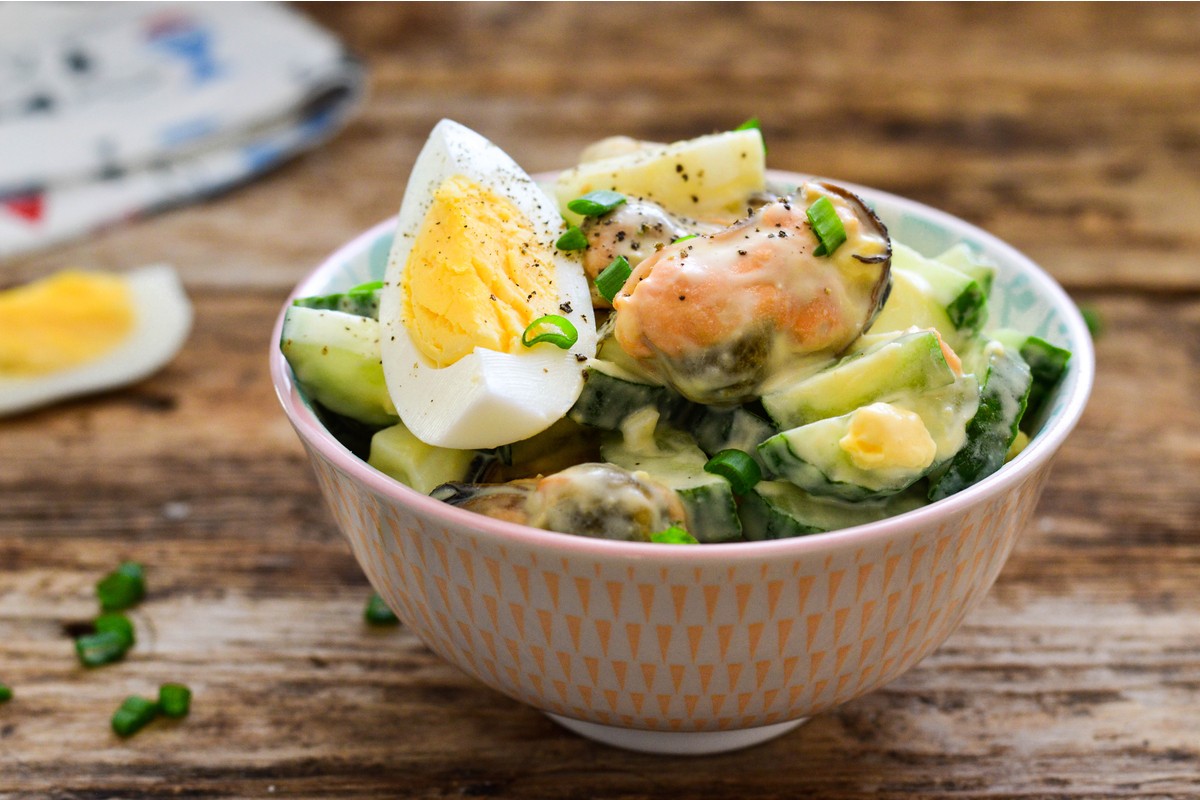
x,y
718,315
596,499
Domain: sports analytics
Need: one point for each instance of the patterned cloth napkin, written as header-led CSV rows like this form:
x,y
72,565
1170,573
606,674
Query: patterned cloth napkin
x,y
111,111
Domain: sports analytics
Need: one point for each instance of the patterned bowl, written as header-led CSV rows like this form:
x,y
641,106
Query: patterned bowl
x,y
707,648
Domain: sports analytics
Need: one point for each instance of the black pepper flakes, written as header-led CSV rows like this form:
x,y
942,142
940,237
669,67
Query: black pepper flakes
x,y
565,307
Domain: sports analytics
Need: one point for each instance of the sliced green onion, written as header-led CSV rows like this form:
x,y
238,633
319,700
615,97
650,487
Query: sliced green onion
x,y
673,535
133,715
378,613
565,336
612,279
98,649
174,700
594,204
737,467
573,239
115,622
684,238
6,693
827,226
122,588
366,288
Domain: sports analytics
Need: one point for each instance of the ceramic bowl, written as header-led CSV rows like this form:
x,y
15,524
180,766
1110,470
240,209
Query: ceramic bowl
x,y
705,648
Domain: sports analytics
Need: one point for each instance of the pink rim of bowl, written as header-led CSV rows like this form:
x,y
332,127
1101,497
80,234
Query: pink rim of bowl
x,y
1077,384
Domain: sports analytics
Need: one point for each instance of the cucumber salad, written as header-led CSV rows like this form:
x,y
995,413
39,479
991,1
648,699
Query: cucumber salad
x,y
661,344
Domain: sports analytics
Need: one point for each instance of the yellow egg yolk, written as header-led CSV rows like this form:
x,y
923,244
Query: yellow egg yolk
x,y
883,436
477,275
62,321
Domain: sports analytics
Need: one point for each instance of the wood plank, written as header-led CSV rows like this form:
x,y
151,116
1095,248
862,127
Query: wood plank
x,y
1070,130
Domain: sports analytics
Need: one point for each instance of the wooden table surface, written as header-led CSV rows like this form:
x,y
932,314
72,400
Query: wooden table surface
x,y
1071,131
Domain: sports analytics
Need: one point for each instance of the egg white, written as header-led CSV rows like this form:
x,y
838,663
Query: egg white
x,y
162,320
487,398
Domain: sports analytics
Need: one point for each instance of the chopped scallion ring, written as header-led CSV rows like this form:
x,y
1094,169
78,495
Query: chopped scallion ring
x,y
573,239
174,700
597,203
98,649
827,226
737,467
565,336
115,622
613,277
684,238
133,715
378,613
673,535
122,588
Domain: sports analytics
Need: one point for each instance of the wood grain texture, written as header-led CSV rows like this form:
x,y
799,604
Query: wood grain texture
x,y
1071,131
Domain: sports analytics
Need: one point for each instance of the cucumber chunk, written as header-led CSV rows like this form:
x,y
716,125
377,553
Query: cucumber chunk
x,y
611,394
993,428
908,362
335,357
779,510
673,459
874,451
1047,364
737,428
962,258
929,294
396,452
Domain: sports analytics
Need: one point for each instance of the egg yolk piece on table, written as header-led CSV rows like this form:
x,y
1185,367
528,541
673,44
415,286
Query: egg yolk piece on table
x,y
62,321
77,332
477,275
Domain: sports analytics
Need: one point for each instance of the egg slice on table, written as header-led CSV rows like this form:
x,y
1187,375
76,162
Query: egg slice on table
x,y
77,332
472,265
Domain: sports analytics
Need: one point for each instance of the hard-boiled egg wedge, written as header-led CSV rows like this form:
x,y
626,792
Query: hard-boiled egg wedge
x,y
79,332
473,264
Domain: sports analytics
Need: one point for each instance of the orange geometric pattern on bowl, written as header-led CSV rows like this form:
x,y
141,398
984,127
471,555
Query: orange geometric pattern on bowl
x,y
619,641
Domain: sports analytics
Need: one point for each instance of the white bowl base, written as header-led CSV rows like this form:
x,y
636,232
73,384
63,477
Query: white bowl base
x,y
676,743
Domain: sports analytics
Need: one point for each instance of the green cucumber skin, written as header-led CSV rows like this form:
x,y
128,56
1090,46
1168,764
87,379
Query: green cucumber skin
x,y
712,513
778,510
969,311
921,365
606,400
991,431
721,429
1047,364
761,520
361,304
